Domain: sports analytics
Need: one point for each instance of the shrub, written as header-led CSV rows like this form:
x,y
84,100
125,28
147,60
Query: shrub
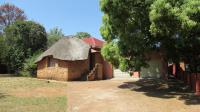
x,y
29,66
123,66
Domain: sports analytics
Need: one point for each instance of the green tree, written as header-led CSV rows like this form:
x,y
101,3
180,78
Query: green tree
x,y
82,35
110,52
177,25
3,49
128,22
14,59
141,26
54,35
23,39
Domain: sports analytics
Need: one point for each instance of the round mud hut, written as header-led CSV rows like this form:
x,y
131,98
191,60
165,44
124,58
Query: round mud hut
x,y
66,60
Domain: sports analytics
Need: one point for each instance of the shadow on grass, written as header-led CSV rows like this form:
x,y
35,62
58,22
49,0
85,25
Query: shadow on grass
x,y
163,89
6,75
2,95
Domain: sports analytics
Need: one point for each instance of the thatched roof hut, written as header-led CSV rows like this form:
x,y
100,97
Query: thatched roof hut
x,y
72,59
67,59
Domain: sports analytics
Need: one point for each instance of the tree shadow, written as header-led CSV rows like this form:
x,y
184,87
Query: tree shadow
x,y
6,75
2,95
163,89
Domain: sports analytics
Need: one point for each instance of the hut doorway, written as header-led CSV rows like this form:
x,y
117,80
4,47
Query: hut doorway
x,y
92,61
3,69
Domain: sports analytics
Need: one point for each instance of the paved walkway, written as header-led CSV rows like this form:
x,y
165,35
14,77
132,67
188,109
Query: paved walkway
x,y
130,96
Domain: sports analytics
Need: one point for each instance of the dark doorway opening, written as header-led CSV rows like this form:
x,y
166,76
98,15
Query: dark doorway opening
x,y
92,60
3,69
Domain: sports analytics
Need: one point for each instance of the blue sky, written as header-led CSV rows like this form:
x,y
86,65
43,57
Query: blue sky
x,y
70,15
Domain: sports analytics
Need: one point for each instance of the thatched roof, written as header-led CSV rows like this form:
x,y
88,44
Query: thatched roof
x,y
67,48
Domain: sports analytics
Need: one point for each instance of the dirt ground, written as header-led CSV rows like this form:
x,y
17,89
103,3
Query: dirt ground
x,y
131,96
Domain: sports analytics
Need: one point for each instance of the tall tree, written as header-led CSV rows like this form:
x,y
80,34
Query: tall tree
x,y
82,35
10,13
128,22
140,26
177,25
54,35
23,39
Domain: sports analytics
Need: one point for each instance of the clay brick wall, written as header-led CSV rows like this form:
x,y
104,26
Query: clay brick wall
x,y
99,61
98,58
77,68
63,70
106,71
59,72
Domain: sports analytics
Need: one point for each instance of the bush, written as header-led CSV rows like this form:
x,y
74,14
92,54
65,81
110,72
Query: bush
x,y
110,52
123,66
29,66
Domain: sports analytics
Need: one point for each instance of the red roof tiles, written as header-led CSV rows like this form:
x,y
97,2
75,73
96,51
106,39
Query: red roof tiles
x,y
95,43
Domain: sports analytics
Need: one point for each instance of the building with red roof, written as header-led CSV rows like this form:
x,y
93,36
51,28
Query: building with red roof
x,y
93,42
97,58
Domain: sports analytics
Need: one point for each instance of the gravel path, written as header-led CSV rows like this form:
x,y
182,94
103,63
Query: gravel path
x,y
128,96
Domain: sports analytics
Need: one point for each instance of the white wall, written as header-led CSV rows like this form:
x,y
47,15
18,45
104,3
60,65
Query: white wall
x,y
154,70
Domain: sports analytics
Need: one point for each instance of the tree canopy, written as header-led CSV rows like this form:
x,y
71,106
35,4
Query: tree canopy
x,y
177,25
10,13
128,22
82,35
142,26
23,39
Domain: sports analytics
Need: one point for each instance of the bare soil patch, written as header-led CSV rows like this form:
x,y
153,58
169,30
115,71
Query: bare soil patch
x,y
128,96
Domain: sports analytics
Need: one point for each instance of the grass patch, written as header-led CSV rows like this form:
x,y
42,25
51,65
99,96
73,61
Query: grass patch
x,y
33,104
11,100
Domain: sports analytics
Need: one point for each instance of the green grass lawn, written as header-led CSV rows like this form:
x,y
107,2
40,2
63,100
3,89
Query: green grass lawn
x,y
19,94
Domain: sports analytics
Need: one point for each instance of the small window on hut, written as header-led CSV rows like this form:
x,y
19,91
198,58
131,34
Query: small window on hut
x,y
51,62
